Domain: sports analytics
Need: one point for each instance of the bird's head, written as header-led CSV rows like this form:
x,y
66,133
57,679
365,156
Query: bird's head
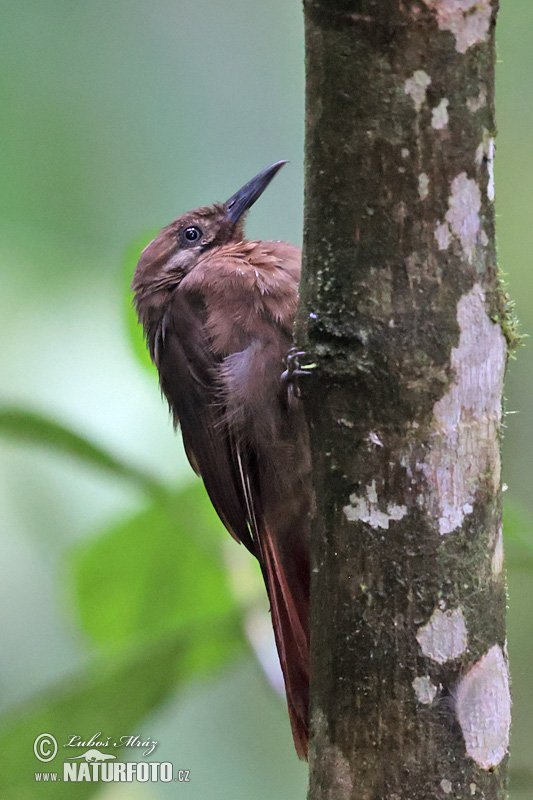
x,y
179,246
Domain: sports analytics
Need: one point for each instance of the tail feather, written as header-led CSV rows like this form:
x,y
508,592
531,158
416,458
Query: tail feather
x,y
290,618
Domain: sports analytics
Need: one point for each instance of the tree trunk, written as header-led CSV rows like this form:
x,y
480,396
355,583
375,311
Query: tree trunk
x,y
404,319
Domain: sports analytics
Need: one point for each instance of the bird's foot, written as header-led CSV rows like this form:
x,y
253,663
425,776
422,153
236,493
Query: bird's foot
x,y
295,370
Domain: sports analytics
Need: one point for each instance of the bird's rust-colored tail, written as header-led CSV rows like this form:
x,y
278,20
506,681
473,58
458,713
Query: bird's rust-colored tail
x,y
287,586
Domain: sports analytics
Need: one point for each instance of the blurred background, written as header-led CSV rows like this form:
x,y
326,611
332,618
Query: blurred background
x,y
122,597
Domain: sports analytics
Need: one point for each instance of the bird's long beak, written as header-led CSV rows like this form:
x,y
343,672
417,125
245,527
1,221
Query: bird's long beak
x,y
242,200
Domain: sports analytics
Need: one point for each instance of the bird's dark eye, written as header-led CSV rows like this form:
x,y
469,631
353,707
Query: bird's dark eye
x,y
191,235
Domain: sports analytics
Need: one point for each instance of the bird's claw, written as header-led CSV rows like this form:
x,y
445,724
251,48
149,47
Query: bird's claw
x,y
295,370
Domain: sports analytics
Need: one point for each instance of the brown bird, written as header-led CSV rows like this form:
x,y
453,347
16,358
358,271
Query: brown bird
x,y
218,312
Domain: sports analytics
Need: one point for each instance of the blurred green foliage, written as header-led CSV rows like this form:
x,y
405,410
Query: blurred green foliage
x,y
37,430
151,592
114,696
153,573
119,616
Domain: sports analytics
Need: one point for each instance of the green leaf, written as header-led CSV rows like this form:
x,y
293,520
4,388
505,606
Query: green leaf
x,y
158,571
111,699
32,428
133,328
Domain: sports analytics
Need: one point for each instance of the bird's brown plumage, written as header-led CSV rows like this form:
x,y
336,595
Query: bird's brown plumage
x,y
218,313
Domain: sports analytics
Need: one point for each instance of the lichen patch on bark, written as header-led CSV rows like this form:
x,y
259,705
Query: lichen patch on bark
x,y
423,185
497,554
486,151
462,217
466,420
374,439
463,212
444,638
416,87
443,236
425,690
468,20
439,115
490,168
484,709
474,104
366,509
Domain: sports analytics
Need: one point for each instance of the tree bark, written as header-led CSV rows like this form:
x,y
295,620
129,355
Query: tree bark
x,y
405,329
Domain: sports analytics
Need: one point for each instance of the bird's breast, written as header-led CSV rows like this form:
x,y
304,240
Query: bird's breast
x,y
246,294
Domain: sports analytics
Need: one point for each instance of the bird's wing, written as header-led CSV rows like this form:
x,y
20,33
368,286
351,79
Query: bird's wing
x,y
188,375
225,452
277,504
